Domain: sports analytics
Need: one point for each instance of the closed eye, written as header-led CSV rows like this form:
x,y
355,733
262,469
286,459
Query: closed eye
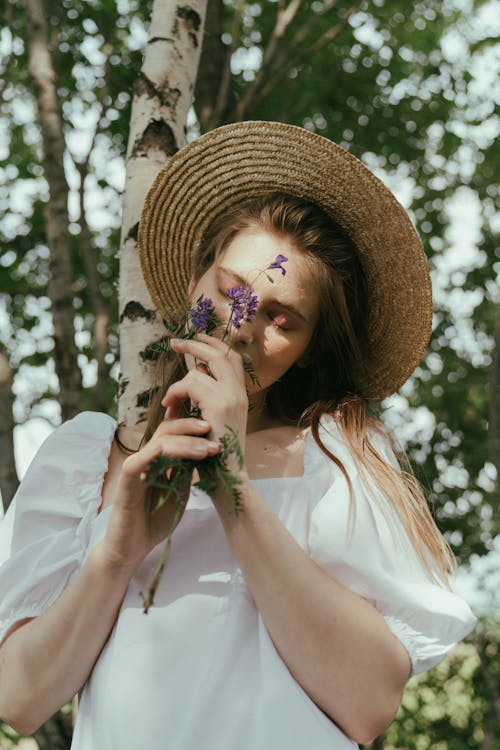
x,y
281,325
225,292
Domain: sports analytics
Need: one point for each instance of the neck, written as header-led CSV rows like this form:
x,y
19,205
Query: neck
x,y
259,417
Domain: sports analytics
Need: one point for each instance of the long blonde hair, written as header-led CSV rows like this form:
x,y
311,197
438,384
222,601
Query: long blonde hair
x,y
334,359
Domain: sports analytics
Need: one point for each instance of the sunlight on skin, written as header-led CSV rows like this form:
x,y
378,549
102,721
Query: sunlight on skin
x,y
278,336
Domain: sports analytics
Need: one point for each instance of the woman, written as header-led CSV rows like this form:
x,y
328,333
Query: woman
x,y
296,622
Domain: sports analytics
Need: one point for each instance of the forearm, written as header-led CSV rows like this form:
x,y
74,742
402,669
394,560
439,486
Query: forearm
x,y
46,661
334,642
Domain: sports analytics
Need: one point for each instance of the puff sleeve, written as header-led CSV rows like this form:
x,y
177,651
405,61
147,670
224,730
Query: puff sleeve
x,y
55,507
365,548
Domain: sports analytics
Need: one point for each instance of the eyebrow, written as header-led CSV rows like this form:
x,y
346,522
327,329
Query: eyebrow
x,y
244,282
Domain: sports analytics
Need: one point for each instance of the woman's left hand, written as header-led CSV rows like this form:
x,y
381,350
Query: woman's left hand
x,y
221,396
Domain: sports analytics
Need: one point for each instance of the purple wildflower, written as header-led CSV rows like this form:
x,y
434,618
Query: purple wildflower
x,y
243,305
201,314
278,263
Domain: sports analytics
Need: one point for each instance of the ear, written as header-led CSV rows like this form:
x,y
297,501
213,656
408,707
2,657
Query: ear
x,y
303,361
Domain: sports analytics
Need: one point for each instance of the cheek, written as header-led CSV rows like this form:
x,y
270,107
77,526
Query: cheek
x,y
281,352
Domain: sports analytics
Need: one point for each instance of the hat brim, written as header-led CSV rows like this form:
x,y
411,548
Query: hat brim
x,y
237,162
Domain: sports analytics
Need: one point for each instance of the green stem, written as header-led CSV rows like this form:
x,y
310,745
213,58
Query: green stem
x,y
149,599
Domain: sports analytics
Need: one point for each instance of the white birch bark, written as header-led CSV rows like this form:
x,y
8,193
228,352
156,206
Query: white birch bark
x,y
163,94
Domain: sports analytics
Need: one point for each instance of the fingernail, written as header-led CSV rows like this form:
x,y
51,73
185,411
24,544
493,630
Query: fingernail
x,y
212,444
200,449
174,342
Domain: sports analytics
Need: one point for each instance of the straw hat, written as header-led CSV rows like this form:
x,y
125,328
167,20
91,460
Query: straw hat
x,y
237,162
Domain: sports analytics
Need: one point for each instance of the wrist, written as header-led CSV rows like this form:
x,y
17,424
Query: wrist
x,y
108,563
229,505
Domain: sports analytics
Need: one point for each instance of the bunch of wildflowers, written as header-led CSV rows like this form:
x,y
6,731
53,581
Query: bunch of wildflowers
x,y
170,475
244,305
202,315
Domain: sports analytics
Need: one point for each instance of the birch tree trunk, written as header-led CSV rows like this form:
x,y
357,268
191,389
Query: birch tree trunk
x,y
163,94
43,76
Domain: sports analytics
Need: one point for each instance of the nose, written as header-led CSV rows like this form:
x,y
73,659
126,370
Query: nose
x,y
244,334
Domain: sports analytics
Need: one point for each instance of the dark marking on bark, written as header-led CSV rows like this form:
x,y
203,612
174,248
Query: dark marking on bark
x,y
135,311
144,86
122,386
157,135
190,16
161,39
144,399
133,232
191,20
149,354
161,346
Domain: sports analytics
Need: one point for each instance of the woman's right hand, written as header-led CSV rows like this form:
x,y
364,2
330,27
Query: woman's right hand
x,y
132,529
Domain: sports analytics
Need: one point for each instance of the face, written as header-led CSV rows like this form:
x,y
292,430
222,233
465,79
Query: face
x,y
288,308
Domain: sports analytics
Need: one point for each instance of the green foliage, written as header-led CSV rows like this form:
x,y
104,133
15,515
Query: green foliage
x,y
8,738
452,707
96,55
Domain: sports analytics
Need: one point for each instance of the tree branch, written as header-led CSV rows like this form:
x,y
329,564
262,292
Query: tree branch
x,y
283,20
306,29
289,64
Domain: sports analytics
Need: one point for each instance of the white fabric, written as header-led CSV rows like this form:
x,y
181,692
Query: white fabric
x,y
200,670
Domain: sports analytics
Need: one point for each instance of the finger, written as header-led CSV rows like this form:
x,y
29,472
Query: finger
x,y
216,343
175,404
222,362
184,426
212,341
222,346
173,411
175,446
196,386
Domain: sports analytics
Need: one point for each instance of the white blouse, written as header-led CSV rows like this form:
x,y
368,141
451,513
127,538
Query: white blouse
x,y
200,670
